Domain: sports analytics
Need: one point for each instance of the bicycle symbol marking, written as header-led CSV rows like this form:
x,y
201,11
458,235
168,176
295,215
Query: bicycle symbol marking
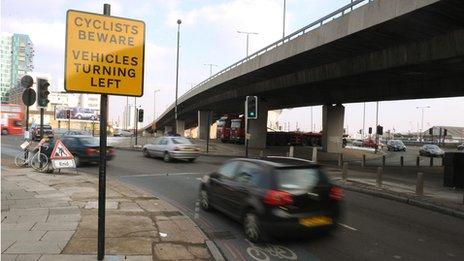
x,y
264,252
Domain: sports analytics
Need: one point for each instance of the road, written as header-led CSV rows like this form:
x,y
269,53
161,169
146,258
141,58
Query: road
x,y
372,228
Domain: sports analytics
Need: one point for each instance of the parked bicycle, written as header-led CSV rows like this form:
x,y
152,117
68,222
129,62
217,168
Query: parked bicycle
x,y
34,158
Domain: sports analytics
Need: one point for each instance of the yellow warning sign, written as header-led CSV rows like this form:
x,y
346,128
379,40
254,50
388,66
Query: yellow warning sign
x,y
104,54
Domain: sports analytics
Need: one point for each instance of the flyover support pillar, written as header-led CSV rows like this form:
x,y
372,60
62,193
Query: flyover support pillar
x,y
180,127
258,128
332,128
204,123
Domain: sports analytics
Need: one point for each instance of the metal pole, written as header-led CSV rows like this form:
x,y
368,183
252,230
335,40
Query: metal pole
x,y
26,152
126,123
283,26
135,120
136,124
248,36
102,166
422,126
364,120
177,72
41,122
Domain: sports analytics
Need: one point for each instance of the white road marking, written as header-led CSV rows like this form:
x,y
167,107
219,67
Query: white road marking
x,y
346,226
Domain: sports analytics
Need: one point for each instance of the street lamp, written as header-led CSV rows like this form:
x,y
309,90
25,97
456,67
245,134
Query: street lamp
x,y
247,39
210,68
177,70
283,26
154,102
422,122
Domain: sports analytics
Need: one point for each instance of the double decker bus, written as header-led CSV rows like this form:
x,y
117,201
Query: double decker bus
x,y
12,117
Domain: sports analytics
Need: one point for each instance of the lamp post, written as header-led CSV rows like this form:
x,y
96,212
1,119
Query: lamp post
x,y
154,102
210,68
177,71
283,20
247,39
422,121
364,120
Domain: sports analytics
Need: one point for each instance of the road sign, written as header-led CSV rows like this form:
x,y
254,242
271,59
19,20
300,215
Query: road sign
x,y
104,54
27,81
60,151
61,157
29,96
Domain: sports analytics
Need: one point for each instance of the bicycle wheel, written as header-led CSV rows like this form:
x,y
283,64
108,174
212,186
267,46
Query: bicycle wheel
x,y
21,160
37,159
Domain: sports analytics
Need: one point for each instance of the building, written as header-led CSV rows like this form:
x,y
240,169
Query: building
x,y
17,54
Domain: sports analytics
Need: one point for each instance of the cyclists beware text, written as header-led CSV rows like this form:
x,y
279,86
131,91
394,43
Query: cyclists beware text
x,y
104,54
61,157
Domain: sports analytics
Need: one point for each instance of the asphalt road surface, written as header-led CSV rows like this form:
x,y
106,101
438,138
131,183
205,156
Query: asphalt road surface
x,y
372,228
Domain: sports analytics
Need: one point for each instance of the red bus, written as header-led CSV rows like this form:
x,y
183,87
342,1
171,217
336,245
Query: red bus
x,y
12,117
223,129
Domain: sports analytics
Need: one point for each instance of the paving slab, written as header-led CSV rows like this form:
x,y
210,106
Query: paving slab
x,y
169,251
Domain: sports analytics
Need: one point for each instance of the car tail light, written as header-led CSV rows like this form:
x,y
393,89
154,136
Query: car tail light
x,y
90,151
336,193
278,198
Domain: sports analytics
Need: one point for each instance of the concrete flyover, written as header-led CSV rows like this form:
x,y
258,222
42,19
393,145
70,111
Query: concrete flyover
x,y
382,50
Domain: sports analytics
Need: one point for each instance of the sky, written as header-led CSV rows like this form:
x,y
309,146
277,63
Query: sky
x,y
208,36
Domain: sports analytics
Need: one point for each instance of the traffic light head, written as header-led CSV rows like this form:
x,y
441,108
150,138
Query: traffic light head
x,y
252,107
379,130
42,92
370,130
445,132
140,115
68,114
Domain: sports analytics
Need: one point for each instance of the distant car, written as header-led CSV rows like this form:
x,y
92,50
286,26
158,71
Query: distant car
x,y
431,150
76,133
395,145
461,147
85,149
122,133
358,143
171,147
59,132
274,196
35,131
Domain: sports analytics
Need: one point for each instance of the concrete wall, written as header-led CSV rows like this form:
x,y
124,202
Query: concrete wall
x,y
332,128
258,128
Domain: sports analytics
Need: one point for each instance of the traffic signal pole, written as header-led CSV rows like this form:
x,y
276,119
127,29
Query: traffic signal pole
x,y
41,123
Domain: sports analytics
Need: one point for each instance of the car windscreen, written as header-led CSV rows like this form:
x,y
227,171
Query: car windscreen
x,y
181,141
289,179
433,147
235,124
90,141
47,127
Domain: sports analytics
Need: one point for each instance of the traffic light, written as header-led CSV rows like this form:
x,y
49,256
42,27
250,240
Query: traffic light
x,y
68,114
42,92
252,107
140,115
445,132
431,131
370,130
379,130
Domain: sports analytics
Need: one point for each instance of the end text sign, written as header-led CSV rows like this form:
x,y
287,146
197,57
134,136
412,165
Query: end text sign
x,y
104,54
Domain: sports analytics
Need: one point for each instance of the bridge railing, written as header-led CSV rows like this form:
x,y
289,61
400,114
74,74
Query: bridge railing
x,y
336,14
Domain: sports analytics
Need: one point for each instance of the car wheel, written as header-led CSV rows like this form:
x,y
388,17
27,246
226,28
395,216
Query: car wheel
x,y
204,200
167,157
252,227
146,154
79,117
191,160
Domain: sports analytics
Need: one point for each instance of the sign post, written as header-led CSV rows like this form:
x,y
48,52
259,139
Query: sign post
x,y
104,55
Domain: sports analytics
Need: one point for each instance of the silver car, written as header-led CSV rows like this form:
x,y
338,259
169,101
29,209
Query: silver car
x,y
170,148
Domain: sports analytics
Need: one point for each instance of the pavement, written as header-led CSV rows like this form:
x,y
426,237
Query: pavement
x,y
54,217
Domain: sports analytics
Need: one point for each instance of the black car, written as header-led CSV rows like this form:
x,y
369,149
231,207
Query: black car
x,y
461,147
35,131
85,149
395,145
273,196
